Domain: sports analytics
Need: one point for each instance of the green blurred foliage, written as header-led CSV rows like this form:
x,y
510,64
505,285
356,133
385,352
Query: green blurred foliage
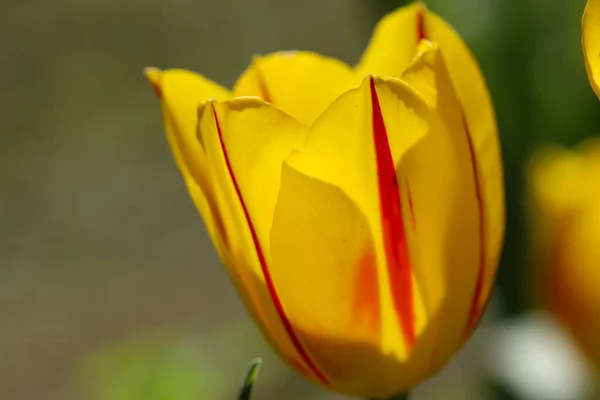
x,y
151,370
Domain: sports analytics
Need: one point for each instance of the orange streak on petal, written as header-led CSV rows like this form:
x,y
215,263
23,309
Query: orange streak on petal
x,y
394,237
366,311
476,307
265,270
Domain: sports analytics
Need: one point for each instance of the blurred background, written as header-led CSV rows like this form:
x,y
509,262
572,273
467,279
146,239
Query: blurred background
x,y
109,286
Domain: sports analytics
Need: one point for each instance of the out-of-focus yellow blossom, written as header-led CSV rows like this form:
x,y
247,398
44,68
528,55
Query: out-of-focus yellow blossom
x,y
359,211
564,189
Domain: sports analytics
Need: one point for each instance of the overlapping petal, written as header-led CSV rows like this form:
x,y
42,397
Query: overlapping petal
x,y
403,30
180,93
301,83
245,141
230,154
339,163
456,222
365,302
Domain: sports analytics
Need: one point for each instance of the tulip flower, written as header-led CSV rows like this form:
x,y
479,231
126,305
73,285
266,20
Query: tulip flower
x,y
590,41
359,211
565,206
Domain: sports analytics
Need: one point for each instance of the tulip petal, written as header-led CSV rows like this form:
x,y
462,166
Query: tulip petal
x,y
402,30
590,40
338,175
394,42
457,275
301,83
324,264
481,126
180,93
245,141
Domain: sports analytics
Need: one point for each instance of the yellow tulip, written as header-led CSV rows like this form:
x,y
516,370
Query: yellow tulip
x,y
359,211
565,207
590,41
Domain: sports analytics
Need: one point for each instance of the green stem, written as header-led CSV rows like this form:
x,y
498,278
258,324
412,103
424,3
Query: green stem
x,y
249,379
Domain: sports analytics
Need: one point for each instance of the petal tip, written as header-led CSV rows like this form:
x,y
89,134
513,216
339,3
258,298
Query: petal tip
x,y
153,75
289,53
425,47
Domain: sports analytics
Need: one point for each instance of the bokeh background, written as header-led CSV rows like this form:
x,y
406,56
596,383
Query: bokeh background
x,y
109,286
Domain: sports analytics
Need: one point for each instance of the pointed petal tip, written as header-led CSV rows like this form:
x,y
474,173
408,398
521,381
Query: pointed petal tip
x,y
153,75
426,49
426,45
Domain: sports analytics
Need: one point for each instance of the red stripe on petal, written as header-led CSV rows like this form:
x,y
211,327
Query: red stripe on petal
x,y
394,236
157,89
476,307
265,270
421,32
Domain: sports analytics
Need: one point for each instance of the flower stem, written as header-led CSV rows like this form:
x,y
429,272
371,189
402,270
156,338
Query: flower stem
x,y
249,379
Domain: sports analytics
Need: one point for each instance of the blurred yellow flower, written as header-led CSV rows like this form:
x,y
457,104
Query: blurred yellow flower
x,y
565,214
590,41
359,211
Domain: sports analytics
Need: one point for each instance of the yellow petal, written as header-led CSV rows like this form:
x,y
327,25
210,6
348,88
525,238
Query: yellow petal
x,y
564,194
574,278
393,43
557,183
324,265
590,40
480,120
561,183
181,92
244,142
401,31
302,84
451,281
366,348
